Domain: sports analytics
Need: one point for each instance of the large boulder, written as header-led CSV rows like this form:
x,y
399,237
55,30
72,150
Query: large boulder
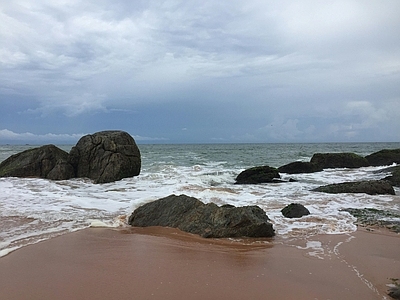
x,y
43,162
295,210
256,175
207,220
298,167
371,187
338,160
384,157
106,156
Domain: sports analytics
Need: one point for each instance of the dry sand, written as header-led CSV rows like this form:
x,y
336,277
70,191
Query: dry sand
x,y
158,263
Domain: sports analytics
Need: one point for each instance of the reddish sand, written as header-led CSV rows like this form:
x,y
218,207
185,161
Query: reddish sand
x,y
156,263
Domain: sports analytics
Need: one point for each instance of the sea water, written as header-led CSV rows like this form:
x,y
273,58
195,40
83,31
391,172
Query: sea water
x,y
33,210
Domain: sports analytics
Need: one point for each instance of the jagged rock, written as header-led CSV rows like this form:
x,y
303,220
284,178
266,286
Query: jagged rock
x,y
298,167
255,175
338,160
384,157
106,156
207,220
295,210
43,162
371,187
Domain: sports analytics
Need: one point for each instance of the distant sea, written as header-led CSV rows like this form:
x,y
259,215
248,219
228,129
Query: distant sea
x,y
32,209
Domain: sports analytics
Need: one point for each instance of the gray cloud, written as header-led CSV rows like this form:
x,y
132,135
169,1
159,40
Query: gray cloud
x,y
313,70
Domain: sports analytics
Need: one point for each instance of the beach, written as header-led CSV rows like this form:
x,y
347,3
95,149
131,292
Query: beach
x,y
164,263
324,255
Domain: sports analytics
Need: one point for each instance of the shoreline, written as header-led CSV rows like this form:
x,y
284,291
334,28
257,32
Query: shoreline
x,y
165,263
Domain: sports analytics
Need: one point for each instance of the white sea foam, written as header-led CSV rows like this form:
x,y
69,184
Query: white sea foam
x,y
34,209
5,251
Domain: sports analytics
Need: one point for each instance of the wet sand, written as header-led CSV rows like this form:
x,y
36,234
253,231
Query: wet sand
x,y
158,263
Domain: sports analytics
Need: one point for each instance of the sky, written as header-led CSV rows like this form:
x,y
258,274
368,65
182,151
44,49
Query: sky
x,y
200,71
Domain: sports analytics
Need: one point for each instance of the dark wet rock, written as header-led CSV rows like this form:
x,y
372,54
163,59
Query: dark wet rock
x,y
43,162
262,174
62,170
394,179
207,220
338,160
371,187
298,167
394,292
295,210
375,217
106,156
384,157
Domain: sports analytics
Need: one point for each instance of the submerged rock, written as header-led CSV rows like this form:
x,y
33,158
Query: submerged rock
x,y
371,187
338,160
376,217
295,210
43,162
298,167
394,292
207,220
384,157
106,156
256,175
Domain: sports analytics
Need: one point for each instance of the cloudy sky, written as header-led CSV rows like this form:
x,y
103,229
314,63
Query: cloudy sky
x,y
200,71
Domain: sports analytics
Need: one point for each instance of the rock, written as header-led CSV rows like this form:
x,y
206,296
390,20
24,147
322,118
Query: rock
x,y
106,156
339,160
298,167
376,217
207,220
394,179
255,175
384,157
43,162
295,210
394,292
371,187
62,170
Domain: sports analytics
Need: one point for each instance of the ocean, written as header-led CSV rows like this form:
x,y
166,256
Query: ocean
x,y
33,210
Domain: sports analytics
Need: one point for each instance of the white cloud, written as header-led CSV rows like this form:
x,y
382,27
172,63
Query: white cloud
x,y
8,136
28,137
149,139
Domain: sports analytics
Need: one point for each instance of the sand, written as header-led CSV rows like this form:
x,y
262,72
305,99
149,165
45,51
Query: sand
x,y
158,263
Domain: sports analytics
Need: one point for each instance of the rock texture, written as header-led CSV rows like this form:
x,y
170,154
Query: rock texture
x,y
394,179
295,210
103,157
298,167
207,220
371,187
375,217
44,162
394,292
384,157
256,175
338,160
106,156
